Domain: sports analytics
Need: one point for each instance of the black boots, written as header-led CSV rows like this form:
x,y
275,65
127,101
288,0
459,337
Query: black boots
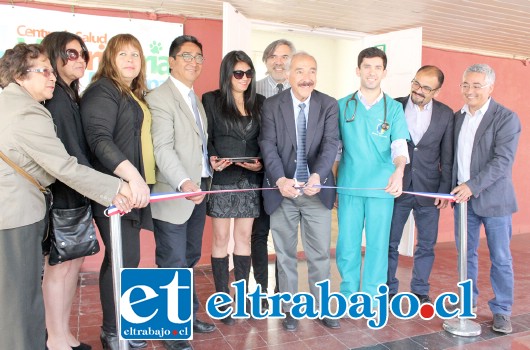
x,y
241,271
220,277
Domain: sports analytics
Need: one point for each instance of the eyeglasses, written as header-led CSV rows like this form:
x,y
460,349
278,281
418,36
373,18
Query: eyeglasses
x,y
238,74
47,72
73,54
467,87
188,57
426,89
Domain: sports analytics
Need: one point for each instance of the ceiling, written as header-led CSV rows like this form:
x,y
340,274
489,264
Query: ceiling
x,y
491,27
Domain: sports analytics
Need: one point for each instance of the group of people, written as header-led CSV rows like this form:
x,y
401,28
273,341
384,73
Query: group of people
x,y
118,142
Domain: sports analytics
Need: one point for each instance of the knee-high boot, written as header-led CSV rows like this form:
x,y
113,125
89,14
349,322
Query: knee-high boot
x,y
242,271
220,277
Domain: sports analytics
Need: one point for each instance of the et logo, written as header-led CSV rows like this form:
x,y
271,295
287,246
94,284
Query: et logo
x,y
156,304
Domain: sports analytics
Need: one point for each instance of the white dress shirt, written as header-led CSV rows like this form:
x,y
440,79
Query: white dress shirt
x,y
184,91
418,120
466,139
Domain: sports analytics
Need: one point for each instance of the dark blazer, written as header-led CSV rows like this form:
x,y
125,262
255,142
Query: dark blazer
x,y
112,123
492,159
278,143
69,128
226,141
431,160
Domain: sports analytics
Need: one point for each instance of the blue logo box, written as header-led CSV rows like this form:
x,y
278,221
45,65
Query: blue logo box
x,y
156,304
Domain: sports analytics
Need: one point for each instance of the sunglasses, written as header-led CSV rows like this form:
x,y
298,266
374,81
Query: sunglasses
x,y
47,72
238,74
73,54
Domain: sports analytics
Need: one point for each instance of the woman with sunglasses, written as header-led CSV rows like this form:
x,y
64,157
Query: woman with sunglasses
x,y
233,129
69,57
28,140
117,126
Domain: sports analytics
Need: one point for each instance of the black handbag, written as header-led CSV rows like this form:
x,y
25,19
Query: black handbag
x,y
72,234
69,233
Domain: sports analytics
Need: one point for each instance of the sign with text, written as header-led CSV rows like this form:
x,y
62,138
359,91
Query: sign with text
x,y
20,24
156,304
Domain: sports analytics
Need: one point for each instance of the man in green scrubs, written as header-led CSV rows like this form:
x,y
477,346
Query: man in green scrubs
x,y
374,131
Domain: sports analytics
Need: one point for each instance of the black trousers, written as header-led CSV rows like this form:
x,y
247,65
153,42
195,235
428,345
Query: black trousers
x,y
130,234
180,245
258,248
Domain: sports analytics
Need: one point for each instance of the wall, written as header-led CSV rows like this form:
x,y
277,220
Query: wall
x,y
511,90
322,48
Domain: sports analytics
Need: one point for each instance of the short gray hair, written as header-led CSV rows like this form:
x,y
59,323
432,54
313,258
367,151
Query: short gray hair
x,y
269,50
299,54
484,69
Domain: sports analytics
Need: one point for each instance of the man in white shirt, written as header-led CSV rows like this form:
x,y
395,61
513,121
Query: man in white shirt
x,y
431,128
486,138
179,132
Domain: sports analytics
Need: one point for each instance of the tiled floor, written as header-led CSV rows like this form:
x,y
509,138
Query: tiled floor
x,y
398,334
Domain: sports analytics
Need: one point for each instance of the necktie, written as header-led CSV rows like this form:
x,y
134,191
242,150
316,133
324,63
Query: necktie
x,y
195,110
280,88
301,159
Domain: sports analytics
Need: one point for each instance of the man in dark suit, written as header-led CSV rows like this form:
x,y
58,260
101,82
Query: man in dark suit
x,y
486,138
179,132
431,128
299,143
276,57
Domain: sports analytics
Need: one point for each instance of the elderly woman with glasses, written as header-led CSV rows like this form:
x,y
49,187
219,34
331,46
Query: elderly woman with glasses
x,y
233,114
28,142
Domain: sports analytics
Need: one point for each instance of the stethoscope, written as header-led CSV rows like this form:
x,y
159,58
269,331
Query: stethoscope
x,y
385,126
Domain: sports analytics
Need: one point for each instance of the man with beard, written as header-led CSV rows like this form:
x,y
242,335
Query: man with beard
x,y
431,128
374,133
276,57
299,143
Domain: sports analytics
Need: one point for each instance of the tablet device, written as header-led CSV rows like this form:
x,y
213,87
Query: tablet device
x,y
241,159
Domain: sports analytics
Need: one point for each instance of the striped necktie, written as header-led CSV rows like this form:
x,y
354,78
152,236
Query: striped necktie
x,y
301,158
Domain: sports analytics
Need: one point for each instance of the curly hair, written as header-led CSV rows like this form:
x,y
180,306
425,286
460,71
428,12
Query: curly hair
x,y
16,62
108,69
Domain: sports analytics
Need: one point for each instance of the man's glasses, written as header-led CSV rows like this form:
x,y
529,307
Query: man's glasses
x,y
73,54
47,72
238,74
466,86
426,89
188,57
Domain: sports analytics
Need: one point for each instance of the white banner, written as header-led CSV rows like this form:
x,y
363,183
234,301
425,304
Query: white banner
x,y
20,24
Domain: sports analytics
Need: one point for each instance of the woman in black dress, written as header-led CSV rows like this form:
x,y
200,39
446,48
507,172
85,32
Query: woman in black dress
x,y
233,129
69,57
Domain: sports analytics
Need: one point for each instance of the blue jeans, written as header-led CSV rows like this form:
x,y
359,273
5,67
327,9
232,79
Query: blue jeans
x,y
498,234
